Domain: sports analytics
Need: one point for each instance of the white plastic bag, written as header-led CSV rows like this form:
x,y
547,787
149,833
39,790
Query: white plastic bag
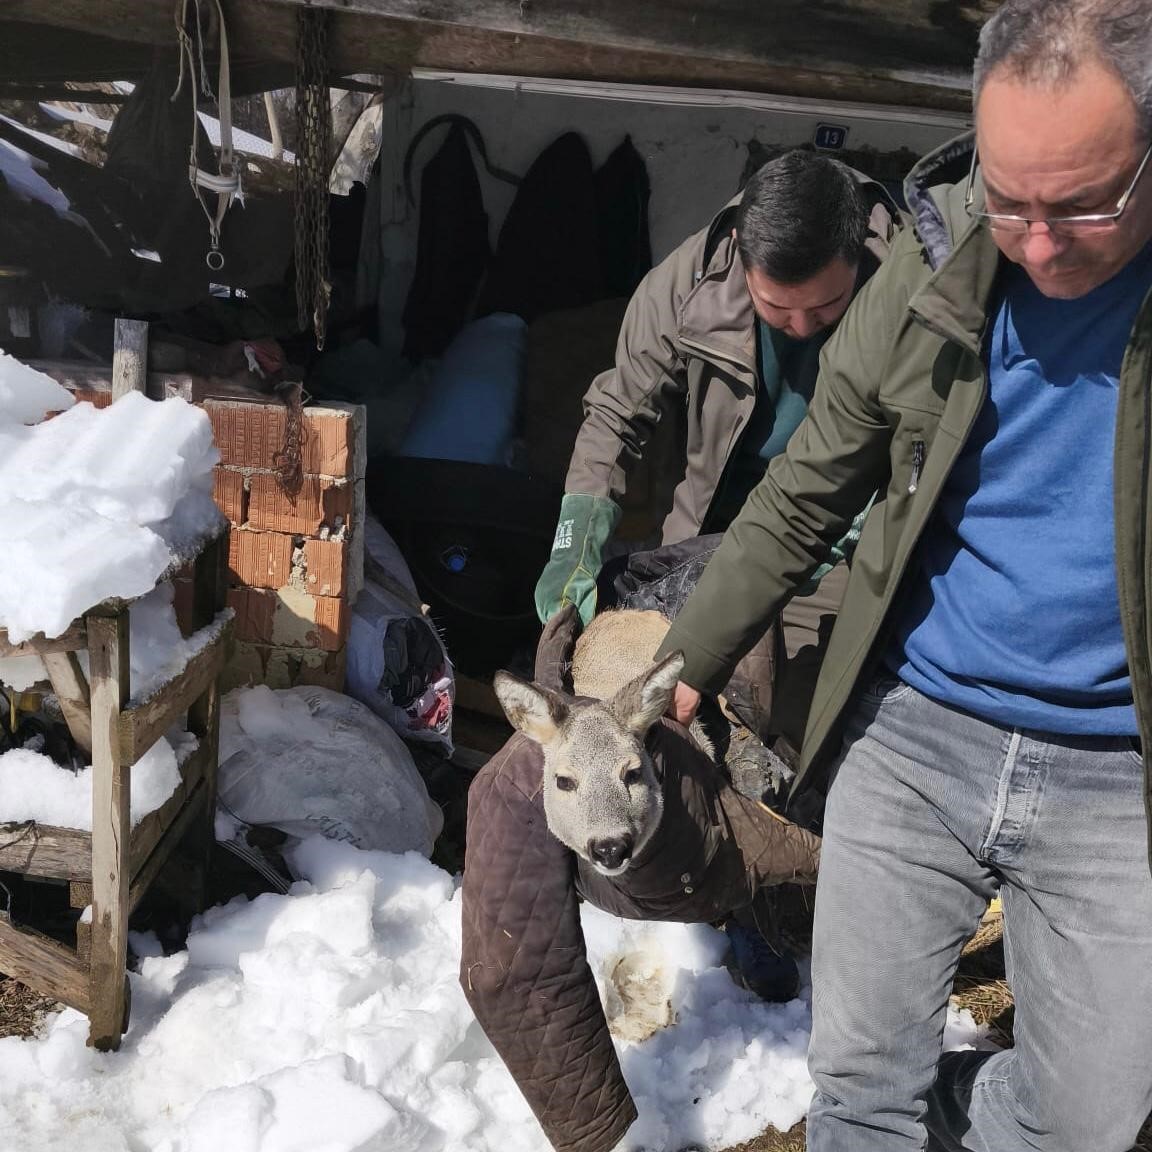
x,y
397,664
309,760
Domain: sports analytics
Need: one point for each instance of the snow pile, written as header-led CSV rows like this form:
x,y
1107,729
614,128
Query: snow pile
x,y
157,649
27,396
98,502
332,1018
33,787
309,760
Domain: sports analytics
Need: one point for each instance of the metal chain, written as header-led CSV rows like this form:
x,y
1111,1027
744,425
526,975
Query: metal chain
x,y
289,458
313,156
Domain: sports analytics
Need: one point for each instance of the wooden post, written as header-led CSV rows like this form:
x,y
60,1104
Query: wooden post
x,y
208,594
111,828
72,692
130,358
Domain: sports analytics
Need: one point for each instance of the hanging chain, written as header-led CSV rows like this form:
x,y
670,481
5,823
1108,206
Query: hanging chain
x,y
313,156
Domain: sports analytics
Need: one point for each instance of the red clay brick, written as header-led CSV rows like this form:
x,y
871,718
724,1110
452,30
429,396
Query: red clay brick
x,y
228,492
250,436
325,567
254,614
91,396
259,559
319,502
332,615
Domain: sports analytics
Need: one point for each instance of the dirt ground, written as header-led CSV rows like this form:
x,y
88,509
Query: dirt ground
x,y
980,987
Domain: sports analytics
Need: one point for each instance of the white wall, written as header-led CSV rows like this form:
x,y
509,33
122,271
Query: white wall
x,y
694,144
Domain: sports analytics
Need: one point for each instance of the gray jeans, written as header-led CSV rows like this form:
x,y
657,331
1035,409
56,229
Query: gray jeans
x,y
930,811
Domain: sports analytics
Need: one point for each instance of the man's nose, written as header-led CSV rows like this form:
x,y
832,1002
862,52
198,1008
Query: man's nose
x,y
1041,244
804,324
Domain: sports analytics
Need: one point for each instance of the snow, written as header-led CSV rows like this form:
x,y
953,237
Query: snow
x,y
33,787
332,1019
99,502
157,650
26,395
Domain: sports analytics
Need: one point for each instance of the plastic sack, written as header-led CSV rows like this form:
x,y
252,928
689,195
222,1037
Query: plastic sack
x,y
396,662
398,667
308,760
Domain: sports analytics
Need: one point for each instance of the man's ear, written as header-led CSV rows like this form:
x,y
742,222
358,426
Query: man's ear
x,y
641,702
535,711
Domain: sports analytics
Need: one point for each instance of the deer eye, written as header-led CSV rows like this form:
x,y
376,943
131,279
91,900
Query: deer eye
x,y
565,784
632,777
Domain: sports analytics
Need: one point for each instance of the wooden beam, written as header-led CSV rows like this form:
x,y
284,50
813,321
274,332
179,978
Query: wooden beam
x,y
142,724
191,812
914,53
43,964
130,357
42,850
72,692
111,828
148,833
73,639
881,31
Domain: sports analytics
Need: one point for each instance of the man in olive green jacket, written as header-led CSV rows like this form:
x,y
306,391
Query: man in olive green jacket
x,y
987,692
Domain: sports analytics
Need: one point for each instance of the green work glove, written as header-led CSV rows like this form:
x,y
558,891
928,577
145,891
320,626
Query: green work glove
x,y
586,524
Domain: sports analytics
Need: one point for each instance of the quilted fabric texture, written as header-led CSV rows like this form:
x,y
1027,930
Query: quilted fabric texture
x,y
523,966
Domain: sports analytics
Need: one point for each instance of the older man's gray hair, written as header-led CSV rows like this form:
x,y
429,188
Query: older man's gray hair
x,y
1046,41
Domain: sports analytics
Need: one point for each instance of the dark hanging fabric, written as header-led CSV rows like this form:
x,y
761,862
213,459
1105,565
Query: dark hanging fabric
x,y
548,254
451,249
622,191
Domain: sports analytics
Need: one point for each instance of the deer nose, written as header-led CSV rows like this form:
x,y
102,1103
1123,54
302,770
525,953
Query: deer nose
x,y
611,852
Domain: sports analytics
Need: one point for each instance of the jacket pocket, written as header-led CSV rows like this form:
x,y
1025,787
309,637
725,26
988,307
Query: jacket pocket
x,y
884,688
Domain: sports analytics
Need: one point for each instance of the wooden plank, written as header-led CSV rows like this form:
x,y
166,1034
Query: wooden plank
x,y
142,724
42,850
915,53
111,828
73,639
191,813
882,32
130,357
478,696
43,964
204,721
147,834
208,583
71,690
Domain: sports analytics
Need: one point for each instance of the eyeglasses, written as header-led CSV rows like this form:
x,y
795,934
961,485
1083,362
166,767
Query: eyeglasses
x,y
1058,225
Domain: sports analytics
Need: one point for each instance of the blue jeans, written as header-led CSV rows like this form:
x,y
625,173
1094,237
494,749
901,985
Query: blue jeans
x,y
931,810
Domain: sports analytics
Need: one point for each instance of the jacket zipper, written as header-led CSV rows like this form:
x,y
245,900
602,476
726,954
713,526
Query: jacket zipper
x,y
917,465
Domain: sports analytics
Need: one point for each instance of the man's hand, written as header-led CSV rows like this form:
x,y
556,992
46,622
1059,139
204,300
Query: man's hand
x,y
685,702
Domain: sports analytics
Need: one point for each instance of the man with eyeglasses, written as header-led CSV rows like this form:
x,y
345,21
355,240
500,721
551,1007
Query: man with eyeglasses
x,y
983,707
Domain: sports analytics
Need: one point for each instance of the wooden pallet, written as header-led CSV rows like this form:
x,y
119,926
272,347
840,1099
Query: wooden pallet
x,y
113,866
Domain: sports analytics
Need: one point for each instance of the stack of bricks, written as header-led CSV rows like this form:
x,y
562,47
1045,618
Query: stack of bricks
x,y
295,562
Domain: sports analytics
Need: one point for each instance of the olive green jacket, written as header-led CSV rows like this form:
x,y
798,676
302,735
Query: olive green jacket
x,y
901,384
688,340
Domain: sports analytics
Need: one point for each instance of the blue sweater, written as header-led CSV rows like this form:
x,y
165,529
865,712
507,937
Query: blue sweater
x,y
1014,614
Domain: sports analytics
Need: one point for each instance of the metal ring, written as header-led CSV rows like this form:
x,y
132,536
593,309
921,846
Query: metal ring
x,y
215,259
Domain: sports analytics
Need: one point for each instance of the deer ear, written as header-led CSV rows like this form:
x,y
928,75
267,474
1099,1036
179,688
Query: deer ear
x,y
641,702
535,711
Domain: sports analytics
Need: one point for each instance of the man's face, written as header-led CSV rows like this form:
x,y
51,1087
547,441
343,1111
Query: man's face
x,y
801,310
1064,151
